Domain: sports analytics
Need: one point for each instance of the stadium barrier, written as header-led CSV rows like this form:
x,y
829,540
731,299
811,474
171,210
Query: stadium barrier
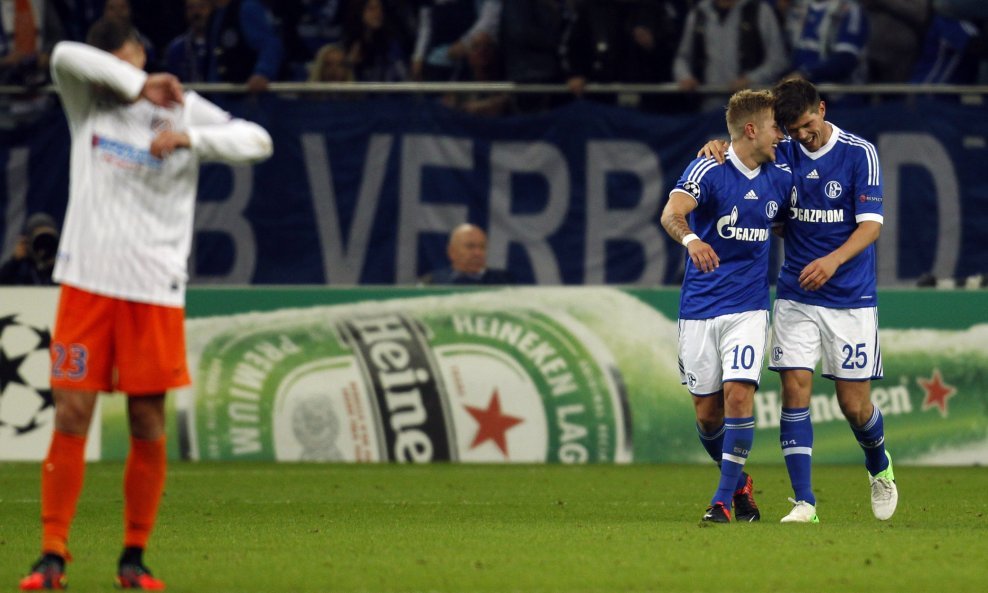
x,y
555,374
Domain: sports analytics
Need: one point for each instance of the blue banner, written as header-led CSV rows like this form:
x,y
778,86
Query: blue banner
x,y
365,191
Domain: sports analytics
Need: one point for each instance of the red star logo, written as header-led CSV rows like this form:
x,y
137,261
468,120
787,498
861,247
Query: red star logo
x,y
937,392
492,424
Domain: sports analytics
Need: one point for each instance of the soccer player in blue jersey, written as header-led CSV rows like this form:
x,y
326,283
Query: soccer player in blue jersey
x,y
723,214
826,306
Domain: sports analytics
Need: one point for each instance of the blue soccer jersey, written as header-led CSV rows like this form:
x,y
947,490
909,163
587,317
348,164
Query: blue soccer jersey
x,y
736,208
836,188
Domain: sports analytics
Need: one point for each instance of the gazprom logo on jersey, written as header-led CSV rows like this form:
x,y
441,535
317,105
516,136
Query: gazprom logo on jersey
x,y
124,155
812,214
727,230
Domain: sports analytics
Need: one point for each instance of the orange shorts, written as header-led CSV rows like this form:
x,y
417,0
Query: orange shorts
x,y
107,344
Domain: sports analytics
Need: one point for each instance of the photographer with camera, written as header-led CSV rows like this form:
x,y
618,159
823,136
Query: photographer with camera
x,y
34,255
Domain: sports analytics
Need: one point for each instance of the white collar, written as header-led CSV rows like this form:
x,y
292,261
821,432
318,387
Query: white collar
x,y
823,150
736,161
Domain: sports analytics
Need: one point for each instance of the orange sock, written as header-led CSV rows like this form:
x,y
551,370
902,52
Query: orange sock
x,y
144,482
61,483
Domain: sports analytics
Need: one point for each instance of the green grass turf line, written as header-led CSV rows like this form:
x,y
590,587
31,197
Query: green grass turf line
x,y
244,527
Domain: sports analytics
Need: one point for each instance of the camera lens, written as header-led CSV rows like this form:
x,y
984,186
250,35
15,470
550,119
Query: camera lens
x,y
44,245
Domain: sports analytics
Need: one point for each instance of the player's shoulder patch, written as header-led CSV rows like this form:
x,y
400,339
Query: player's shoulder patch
x,y
694,175
692,188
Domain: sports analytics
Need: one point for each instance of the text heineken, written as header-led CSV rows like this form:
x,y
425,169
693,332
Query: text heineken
x,y
420,383
393,356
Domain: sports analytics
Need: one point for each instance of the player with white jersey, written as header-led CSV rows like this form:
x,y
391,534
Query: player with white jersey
x,y
827,305
723,311
142,204
137,141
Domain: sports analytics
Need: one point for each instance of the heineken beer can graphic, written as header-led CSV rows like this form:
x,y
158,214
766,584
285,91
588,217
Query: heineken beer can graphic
x,y
492,377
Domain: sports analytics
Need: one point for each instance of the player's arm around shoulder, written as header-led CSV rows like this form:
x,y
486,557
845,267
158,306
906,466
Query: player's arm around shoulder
x,y
215,135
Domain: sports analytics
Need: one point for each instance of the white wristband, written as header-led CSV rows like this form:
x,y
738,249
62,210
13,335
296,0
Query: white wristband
x,y
688,238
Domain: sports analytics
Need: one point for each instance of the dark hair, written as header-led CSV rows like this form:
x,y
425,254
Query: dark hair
x,y
111,34
793,98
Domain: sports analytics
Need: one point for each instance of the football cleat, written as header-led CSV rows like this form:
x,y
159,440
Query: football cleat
x,y
745,508
884,494
137,576
47,573
802,512
717,513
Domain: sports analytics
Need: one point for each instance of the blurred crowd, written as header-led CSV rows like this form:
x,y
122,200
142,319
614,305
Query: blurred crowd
x,y
731,44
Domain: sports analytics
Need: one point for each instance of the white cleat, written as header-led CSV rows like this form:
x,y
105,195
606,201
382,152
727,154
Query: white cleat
x,y
802,512
884,494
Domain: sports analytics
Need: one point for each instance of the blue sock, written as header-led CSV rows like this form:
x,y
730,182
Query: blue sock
x,y
871,437
713,442
796,437
738,436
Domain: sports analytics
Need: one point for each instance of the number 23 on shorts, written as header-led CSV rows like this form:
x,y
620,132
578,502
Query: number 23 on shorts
x,y
69,362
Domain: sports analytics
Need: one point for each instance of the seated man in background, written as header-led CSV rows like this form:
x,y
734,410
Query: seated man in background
x,y
467,251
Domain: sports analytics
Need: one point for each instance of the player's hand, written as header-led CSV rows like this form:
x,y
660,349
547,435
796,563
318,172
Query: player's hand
x,y
715,149
167,142
703,255
164,90
818,272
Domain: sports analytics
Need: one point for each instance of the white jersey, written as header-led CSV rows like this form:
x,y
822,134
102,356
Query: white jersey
x,y
128,227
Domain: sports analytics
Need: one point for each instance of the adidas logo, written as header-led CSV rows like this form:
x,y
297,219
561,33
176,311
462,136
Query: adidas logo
x,y
751,195
813,175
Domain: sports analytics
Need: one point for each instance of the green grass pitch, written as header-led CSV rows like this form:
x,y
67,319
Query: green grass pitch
x,y
242,527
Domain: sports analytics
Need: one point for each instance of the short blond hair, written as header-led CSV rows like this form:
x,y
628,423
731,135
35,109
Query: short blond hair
x,y
744,106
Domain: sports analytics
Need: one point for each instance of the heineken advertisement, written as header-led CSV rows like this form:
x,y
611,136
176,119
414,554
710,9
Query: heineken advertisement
x,y
484,377
557,375
528,375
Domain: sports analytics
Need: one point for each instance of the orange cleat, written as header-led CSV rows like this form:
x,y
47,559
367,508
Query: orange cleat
x,y
46,574
137,576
